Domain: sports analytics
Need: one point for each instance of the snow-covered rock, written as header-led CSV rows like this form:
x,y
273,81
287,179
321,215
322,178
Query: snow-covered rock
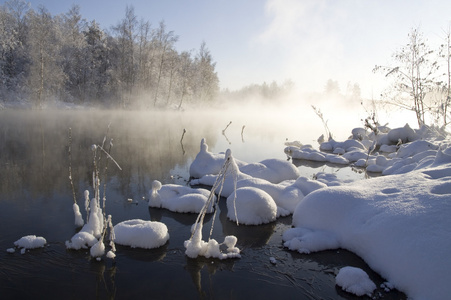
x,y
251,206
30,242
179,198
355,280
141,234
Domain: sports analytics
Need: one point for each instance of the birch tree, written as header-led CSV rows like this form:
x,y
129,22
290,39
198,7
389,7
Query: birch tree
x,y
46,77
126,70
164,43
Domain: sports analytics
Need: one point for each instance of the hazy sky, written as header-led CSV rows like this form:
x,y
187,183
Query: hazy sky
x,y
307,41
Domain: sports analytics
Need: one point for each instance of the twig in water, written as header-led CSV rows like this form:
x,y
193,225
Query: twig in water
x,y
183,134
70,166
223,131
181,141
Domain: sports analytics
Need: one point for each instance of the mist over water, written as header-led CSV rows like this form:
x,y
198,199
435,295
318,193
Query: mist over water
x,y
36,198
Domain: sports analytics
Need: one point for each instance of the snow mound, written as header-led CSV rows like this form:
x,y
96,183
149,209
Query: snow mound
x,y
141,234
355,281
398,224
251,206
273,170
81,240
178,198
30,242
205,162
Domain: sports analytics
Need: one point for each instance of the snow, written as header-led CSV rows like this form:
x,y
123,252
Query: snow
x,y
81,240
110,254
195,246
78,217
251,206
93,232
398,224
139,233
178,198
30,242
98,249
272,170
206,162
355,280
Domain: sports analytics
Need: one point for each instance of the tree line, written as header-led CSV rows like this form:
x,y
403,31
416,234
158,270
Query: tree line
x,y
65,57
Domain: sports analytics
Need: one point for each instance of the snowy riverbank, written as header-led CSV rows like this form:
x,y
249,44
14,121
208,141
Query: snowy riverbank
x,y
398,223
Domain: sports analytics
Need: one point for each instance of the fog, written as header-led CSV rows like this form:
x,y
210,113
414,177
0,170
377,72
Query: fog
x,y
148,143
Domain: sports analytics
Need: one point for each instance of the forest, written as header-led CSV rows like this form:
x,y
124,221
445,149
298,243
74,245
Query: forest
x,y
46,58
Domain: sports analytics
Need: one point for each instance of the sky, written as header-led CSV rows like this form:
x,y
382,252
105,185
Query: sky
x,y
305,41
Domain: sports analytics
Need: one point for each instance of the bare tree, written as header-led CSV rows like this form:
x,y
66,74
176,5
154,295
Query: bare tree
x,y
46,76
414,75
126,36
185,74
445,54
164,43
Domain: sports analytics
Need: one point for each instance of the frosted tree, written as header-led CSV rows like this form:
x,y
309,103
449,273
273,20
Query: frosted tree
x,y
206,79
185,75
414,75
74,61
125,46
13,56
8,43
97,57
445,86
46,76
172,62
146,55
164,41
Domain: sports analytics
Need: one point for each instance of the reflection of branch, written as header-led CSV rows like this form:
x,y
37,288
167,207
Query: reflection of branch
x,y
242,131
181,141
111,292
226,138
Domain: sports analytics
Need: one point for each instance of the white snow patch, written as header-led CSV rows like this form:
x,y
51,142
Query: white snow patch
x,y
398,224
195,246
30,242
179,198
273,170
142,234
355,281
251,206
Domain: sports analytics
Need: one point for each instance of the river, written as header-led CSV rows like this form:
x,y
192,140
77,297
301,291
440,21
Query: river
x,y
36,198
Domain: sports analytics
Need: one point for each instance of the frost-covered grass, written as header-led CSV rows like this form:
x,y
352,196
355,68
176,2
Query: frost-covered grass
x,y
93,232
195,245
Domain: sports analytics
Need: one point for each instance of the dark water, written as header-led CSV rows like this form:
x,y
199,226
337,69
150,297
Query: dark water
x,y
36,198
